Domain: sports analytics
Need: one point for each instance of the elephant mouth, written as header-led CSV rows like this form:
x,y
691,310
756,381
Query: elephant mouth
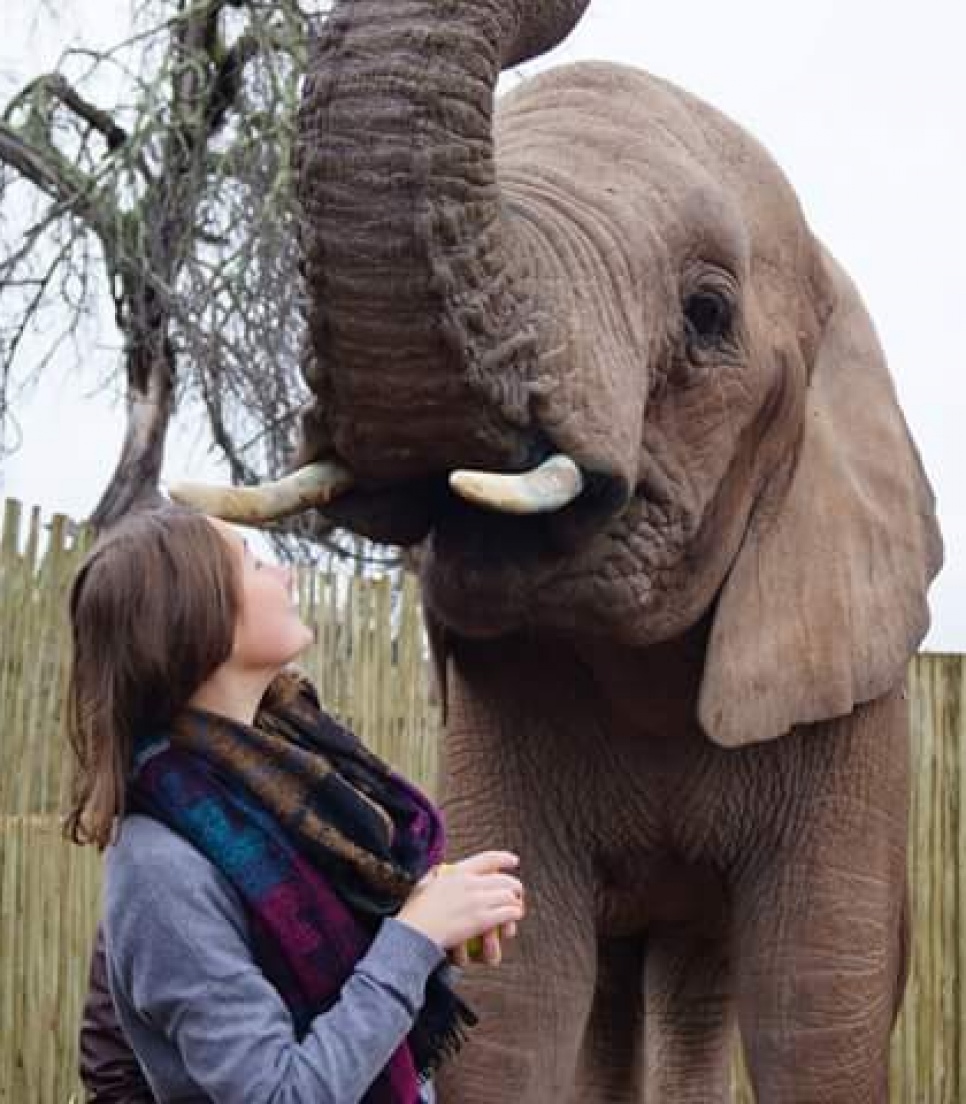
x,y
409,512
478,536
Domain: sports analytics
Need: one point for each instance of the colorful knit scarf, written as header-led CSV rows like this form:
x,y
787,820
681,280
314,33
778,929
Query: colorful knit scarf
x,y
320,839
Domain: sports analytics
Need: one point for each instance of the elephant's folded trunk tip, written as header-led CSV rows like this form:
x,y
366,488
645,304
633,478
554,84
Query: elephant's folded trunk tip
x,y
311,486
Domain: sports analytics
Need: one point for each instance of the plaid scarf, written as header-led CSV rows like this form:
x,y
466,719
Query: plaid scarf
x,y
320,839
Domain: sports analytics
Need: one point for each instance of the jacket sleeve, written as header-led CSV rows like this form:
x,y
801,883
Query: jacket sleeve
x,y
178,951
109,1070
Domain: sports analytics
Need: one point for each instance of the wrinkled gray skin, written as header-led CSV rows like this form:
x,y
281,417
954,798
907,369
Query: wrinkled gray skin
x,y
681,698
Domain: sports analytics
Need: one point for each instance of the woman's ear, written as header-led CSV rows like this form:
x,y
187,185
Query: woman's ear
x,y
826,601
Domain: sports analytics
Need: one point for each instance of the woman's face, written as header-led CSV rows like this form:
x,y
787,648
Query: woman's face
x,y
269,632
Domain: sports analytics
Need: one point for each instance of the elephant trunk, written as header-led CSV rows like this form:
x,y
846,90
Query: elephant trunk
x,y
422,323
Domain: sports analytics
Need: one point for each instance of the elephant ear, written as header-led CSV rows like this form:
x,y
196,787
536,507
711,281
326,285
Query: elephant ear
x,y
826,600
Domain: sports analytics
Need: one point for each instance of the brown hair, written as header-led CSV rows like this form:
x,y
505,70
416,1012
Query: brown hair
x,y
153,610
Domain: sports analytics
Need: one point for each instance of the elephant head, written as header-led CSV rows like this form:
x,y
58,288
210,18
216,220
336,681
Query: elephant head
x,y
606,270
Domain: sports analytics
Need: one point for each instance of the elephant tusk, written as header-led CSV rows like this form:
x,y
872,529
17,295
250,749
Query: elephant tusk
x,y
311,486
549,487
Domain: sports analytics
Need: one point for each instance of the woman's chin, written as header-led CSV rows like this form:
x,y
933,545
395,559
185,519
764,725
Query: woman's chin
x,y
307,638
295,643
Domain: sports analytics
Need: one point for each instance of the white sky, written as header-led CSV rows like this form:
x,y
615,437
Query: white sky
x,y
864,105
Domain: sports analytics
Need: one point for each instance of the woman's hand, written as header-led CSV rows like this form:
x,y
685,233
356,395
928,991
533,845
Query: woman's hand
x,y
475,897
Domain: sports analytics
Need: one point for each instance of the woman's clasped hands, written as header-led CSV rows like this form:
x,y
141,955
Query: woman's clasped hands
x,y
468,906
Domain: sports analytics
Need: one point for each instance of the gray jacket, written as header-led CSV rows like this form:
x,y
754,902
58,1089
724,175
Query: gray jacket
x,y
204,1021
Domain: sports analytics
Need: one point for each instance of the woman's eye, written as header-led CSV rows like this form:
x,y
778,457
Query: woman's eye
x,y
707,317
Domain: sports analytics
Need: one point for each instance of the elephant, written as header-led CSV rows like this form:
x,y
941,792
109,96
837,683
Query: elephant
x,y
579,347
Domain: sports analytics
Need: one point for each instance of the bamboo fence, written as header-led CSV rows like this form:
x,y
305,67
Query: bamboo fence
x,y
369,662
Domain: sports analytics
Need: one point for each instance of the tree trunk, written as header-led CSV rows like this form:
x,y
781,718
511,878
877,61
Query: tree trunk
x,y
169,213
149,403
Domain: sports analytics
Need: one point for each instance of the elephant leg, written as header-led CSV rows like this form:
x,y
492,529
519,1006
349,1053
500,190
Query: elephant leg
x,y
818,997
612,1061
688,1019
510,781
821,927
533,1012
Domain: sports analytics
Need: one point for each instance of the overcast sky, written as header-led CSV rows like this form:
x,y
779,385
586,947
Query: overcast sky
x,y
863,103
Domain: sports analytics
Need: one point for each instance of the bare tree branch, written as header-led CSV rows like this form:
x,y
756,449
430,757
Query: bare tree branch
x,y
54,86
31,237
54,175
184,183
40,289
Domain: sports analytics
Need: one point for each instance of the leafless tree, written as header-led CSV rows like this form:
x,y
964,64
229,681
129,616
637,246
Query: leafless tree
x,y
177,200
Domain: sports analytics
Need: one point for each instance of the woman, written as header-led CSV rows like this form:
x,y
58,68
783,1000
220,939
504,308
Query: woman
x,y
275,926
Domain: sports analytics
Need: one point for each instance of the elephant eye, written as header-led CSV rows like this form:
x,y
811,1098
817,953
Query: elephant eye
x,y
707,317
